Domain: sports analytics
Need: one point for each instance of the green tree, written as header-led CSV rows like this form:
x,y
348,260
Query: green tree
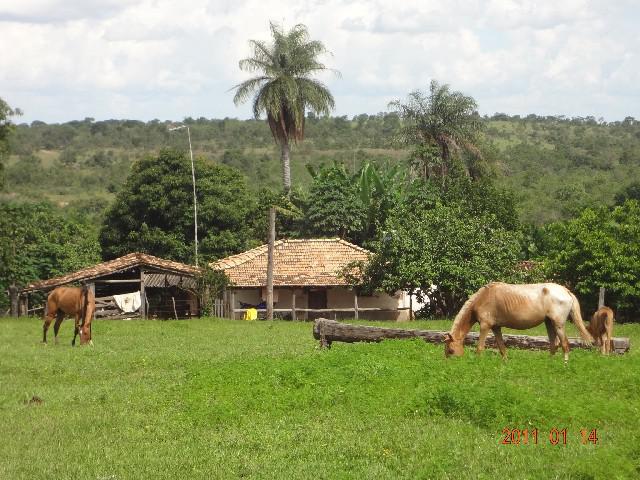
x,y
443,119
284,90
153,212
334,208
453,243
38,242
6,129
600,248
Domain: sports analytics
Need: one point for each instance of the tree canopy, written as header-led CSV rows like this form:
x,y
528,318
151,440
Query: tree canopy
x,y
450,241
153,212
6,128
437,125
284,90
599,248
38,242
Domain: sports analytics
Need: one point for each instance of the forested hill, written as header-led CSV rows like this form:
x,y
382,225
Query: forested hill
x,y
556,166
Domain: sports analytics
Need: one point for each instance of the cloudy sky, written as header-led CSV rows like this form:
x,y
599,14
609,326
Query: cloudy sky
x,y
168,59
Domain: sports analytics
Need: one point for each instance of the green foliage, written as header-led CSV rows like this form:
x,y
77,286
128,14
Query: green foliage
x,y
456,243
37,242
210,286
334,208
6,130
438,125
153,212
284,90
600,248
289,214
353,207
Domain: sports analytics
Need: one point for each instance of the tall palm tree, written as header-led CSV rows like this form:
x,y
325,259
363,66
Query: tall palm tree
x,y
445,120
284,90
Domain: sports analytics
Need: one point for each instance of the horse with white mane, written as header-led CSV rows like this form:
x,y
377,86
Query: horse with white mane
x,y
498,305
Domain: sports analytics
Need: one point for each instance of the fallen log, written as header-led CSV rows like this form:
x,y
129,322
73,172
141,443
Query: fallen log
x,y
328,331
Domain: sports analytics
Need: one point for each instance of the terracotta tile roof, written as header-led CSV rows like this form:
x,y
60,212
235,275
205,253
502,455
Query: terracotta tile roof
x,y
309,262
114,266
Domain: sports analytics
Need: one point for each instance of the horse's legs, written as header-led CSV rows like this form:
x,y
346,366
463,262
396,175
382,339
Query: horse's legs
x,y
56,326
551,331
497,333
563,340
76,331
609,336
47,321
484,331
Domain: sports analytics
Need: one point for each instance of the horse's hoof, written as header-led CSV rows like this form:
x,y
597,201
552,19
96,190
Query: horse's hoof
x,y
91,342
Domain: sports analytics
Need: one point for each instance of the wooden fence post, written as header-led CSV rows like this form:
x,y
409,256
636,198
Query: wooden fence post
x,y
601,298
355,305
143,296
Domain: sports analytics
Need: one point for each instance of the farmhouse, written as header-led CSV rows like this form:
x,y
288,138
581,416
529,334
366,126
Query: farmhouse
x,y
307,282
136,285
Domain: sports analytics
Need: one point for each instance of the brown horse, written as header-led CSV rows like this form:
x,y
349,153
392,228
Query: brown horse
x,y
601,327
79,302
498,305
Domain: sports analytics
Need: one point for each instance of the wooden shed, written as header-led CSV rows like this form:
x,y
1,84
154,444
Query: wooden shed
x,y
307,282
136,285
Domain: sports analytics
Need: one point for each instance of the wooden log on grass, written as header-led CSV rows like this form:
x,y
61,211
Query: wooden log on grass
x,y
328,331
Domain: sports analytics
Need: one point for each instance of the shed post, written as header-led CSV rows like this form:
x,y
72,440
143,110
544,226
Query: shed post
x,y
13,294
23,305
601,298
143,296
293,305
92,289
232,305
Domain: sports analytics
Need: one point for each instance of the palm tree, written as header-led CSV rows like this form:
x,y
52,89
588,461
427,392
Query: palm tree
x,y
442,120
284,89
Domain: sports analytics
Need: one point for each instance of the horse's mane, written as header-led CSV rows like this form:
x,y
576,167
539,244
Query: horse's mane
x,y
463,316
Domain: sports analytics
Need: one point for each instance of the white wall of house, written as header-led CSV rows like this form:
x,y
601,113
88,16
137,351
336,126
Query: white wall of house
x,y
337,297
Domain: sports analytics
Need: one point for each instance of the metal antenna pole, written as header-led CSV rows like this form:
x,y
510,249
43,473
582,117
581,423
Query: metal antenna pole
x,y
195,203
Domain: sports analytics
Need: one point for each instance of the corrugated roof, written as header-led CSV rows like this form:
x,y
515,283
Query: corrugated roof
x,y
308,262
113,266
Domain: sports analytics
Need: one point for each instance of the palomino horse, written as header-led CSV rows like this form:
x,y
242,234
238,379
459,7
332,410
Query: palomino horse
x,y
79,302
498,305
601,327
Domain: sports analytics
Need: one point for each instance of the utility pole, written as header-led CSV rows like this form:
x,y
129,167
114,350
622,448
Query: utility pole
x,y
193,181
272,241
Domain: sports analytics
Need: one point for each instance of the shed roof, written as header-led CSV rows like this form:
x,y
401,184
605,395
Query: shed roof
x,y
114,266
307,262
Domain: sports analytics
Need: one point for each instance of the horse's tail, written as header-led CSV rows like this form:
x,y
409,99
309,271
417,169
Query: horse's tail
x,y
85,304
576,316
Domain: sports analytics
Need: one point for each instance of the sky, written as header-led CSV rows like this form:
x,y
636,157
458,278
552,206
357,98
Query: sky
x,y
65,60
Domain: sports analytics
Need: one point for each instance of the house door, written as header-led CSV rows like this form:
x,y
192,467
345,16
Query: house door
x,y
318,298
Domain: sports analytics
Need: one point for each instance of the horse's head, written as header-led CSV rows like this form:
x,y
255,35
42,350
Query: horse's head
x,y
85,335
452,346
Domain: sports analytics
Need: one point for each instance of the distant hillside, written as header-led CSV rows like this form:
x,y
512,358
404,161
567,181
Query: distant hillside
x,y
555,165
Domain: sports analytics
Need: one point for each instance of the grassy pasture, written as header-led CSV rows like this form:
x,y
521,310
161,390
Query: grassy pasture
x,y
228,399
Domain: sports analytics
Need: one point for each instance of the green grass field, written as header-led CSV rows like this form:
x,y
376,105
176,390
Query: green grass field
x,y
231,399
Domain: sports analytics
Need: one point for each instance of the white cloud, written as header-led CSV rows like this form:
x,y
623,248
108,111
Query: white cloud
x,y
164,59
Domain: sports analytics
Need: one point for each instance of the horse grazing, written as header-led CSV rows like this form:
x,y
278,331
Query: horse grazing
x,y
79,302
498,305
601,327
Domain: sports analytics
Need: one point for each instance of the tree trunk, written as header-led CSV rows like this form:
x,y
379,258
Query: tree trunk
x,y
328,331
286,168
